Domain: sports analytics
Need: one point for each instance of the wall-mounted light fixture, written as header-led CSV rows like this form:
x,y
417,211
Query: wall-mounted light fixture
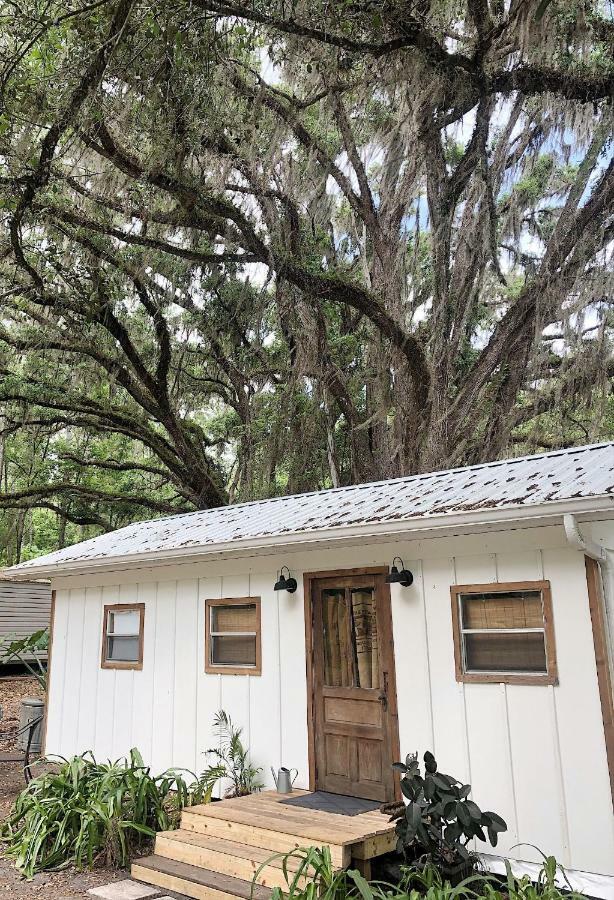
x,y
285,584
403,577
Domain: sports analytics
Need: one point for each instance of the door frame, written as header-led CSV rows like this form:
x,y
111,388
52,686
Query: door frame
x,y
308,579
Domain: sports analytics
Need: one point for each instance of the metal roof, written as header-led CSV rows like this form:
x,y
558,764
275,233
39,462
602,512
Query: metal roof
x,y
523,484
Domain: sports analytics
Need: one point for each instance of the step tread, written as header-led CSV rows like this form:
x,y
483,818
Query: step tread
x,y
338,833
229,848
204,877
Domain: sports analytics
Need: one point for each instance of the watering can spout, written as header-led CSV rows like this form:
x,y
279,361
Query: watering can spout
x,y
275,779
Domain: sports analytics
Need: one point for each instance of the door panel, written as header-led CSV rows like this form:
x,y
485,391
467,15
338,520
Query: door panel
x,y
354,693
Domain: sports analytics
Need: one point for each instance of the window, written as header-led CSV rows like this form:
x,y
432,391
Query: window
x,y
232,638
122,636
503,633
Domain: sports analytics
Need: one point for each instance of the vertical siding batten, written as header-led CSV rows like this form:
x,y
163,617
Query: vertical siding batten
x,y
105,706
164,675
578,717
72,669
185,677
412,668
124,690
141,726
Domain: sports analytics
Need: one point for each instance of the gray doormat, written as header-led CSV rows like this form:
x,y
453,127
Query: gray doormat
x,y
334,803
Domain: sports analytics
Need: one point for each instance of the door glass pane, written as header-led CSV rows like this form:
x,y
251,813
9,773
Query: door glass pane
x,y
364,632
350,638
505,652
337,651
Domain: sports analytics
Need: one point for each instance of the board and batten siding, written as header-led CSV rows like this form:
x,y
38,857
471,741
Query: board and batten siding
x,y
534,753
25,607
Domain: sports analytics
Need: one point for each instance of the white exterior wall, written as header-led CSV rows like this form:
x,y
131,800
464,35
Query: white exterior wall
x,y
535,754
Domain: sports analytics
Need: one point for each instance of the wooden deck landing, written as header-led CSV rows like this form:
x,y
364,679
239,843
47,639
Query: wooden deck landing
x,y
219,847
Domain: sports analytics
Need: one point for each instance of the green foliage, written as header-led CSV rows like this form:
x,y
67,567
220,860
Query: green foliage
x,y
439,820
235,341
24,651
231,761
312,876
88,812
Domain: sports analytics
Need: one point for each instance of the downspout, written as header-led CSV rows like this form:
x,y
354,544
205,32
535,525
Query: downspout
x,y
600,554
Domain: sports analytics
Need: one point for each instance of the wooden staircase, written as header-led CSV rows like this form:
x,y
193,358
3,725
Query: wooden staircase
x,y
220,847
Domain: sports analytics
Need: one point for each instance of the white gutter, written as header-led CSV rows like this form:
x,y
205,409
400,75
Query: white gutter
x,y
548,513
601,555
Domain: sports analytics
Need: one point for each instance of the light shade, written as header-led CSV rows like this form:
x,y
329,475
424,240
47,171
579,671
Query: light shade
x,y
403,577
285,584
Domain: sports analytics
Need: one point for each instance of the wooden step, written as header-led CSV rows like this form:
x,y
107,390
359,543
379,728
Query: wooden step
x,y
265,838
193,881
226,857
274,833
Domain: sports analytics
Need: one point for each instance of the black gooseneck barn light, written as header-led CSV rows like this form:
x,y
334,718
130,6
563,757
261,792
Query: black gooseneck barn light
x,y
285,584
404,577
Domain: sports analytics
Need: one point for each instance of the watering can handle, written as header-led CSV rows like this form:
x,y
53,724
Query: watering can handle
x,y
292,780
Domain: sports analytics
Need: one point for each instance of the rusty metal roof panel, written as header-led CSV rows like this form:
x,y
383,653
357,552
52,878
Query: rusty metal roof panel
x,y
583,472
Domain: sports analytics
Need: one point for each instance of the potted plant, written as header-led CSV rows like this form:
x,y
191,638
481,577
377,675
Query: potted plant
x,y
438,820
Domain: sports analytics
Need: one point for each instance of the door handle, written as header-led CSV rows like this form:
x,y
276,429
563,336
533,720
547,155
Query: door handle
x,y
383,697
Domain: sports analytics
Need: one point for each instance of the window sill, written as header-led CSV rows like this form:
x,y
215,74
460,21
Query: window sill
x,y
109,664
232,670
505,678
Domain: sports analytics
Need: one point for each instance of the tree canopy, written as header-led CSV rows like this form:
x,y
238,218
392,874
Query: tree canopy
x,y
261,247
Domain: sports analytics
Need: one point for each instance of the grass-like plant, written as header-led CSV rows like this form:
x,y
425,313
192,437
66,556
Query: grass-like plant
x,y
88,812
311,875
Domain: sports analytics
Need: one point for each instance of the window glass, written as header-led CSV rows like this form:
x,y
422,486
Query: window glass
x,y
503,631
233,650
123,649
505,653
124,622
233,635
123,638
234,618
512,610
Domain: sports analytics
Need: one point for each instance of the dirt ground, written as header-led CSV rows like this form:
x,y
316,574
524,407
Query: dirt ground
x,y
65,885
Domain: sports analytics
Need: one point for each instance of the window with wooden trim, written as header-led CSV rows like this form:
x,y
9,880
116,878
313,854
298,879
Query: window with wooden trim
x,y
503,633
232,636
122,636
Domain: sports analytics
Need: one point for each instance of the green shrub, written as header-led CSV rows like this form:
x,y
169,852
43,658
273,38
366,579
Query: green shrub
x,y
88,812
439,820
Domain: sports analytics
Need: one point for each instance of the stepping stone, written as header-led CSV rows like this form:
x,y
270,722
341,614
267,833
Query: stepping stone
x,y
125,890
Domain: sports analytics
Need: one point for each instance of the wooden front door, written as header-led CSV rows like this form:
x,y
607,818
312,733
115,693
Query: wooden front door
x,y
354,705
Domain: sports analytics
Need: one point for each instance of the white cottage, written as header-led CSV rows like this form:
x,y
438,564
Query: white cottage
x,y
490,647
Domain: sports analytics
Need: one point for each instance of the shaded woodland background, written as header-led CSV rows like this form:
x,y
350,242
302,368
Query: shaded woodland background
x,y
266,247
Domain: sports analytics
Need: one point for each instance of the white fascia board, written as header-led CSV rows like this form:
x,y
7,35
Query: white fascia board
x,y
462,522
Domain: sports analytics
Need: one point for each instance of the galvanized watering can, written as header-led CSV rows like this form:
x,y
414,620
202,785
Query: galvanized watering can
x,y
283,780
